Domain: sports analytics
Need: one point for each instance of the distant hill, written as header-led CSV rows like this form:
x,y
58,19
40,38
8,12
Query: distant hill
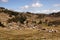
x,y
11,18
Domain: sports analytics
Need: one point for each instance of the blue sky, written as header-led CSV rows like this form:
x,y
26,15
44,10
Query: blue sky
x,y
41,6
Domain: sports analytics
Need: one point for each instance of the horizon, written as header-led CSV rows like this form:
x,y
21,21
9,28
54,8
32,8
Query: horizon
x,y
34,6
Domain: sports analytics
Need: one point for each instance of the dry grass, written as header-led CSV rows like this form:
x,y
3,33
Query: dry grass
x,y
27,34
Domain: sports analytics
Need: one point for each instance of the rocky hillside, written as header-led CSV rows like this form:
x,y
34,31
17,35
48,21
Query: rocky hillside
x,y
17,20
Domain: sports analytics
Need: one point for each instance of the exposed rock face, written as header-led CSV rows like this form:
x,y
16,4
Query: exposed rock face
x,y
22,20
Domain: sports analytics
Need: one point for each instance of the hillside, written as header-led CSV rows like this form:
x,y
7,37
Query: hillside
x,y
29,25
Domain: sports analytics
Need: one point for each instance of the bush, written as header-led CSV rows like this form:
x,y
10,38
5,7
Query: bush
x,y
57,22
16,19
40,22
1,24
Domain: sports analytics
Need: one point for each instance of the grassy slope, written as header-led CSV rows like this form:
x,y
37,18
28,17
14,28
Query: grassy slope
x,y
27,34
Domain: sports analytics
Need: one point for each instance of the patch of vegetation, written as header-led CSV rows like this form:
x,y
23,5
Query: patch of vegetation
x,y
2,25
9,12
20,19
55,14
40,22
57,22
41,15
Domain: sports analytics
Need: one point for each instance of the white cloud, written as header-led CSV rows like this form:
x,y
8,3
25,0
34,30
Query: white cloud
x,y
56,5
37,5
4,0
34,5
46,11
25,7
49,11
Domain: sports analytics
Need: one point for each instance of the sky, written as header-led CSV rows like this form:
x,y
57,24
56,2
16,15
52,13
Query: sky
x,y
36,6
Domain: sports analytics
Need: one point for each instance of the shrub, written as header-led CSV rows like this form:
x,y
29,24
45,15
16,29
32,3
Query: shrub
x,y
16,19
40,22
1,24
